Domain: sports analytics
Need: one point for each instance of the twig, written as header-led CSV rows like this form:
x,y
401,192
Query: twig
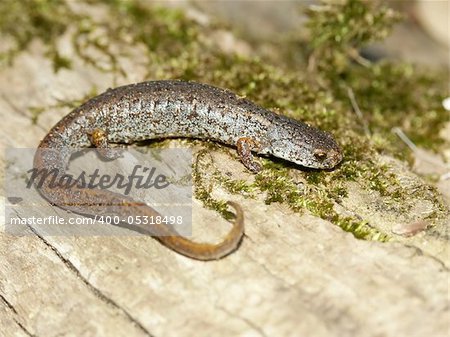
x,y
356,56
418,154
405,139
358,112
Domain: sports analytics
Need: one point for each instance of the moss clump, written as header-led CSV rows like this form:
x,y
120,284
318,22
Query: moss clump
x,y
340,29
399,95
388,93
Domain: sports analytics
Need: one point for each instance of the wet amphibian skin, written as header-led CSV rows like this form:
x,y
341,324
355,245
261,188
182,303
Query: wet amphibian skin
x,y
162,109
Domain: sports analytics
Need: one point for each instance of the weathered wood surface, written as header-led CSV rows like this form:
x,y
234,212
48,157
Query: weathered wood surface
x,y
292,276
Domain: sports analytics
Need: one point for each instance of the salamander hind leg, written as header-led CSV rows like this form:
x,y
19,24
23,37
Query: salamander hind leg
x,y
245,146
99,139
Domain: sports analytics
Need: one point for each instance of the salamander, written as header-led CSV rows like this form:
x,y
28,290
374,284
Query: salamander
x,y
172,108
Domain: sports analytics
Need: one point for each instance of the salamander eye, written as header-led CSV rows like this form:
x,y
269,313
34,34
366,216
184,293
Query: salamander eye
x,y
320,154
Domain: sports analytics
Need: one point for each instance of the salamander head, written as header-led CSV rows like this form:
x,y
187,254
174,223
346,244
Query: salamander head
x,y
304,145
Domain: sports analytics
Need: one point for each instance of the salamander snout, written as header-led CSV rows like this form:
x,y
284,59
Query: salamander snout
x,y
328,158
302,144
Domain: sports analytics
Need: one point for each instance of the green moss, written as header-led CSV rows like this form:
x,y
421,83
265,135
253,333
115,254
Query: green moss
x,y
389,94
59,61
204,186
23,21
236,186
276,183
164,31
400,95
317,197
339,29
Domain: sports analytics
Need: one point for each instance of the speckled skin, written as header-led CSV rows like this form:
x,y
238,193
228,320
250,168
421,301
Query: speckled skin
x,y
162,109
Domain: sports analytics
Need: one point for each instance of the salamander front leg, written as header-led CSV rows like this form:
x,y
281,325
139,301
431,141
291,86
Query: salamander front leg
x,y
99,138
245,146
